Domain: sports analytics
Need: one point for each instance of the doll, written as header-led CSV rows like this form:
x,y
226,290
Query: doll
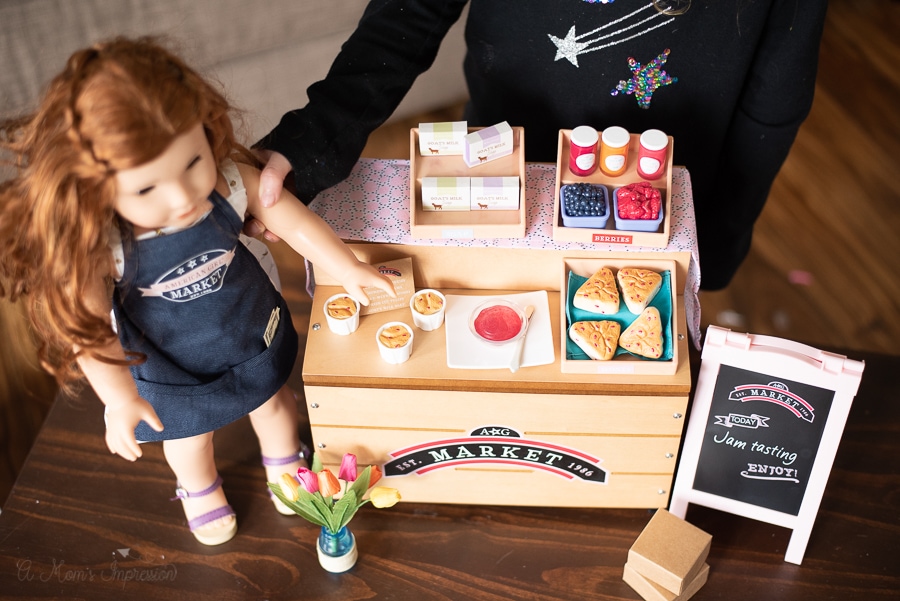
x,y
129,179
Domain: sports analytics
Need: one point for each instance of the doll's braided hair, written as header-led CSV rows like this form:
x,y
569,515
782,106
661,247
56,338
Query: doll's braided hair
x,y
116,105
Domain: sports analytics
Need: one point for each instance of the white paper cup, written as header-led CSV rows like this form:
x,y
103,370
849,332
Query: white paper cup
x,y
431,321
397,354
346,325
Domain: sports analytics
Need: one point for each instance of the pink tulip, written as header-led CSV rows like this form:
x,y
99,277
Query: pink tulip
x,y
308,479
347,472
328,484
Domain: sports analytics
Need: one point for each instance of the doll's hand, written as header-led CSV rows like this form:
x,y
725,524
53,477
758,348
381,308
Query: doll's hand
x,y
362,276
121,420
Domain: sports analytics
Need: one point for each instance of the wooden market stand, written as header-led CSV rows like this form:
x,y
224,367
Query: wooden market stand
x,y
625,423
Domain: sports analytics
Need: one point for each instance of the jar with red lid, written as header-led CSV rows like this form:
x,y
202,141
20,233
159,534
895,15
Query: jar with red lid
x,y
652,154
583,150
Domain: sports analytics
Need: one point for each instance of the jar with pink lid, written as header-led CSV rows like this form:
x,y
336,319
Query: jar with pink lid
x,y
654,147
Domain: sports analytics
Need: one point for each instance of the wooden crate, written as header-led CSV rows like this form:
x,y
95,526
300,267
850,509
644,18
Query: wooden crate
x,y
626,363
419,420
498,448
465,224
609,234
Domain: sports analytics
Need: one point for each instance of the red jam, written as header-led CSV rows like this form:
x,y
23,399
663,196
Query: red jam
x,y
498,323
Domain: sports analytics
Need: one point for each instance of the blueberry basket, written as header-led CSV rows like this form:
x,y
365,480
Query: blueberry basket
x,y
584,205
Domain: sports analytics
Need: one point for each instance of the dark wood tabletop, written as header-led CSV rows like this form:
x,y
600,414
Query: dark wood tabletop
x,y
83,524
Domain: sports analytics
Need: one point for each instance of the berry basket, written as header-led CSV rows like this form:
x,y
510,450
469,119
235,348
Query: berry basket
x,y
584,205
634,225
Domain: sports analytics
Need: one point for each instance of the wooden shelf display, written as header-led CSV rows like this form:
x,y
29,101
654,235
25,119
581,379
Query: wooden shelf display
x,y
624,363
609,234
539,436
465,224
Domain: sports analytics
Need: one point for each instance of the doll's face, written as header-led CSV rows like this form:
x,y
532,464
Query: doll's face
x,y
172,189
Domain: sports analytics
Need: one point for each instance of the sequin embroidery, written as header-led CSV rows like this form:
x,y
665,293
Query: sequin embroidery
x,y
645,79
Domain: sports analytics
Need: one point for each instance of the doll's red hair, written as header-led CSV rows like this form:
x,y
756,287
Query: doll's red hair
x,y
117,105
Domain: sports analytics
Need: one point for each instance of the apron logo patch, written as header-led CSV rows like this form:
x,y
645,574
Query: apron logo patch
x,y
196,277
274,318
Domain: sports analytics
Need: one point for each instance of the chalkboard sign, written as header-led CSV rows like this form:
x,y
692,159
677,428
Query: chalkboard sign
x,y
766,421
761,439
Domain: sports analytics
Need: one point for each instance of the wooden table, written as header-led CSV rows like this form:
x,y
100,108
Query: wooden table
x,y
83,524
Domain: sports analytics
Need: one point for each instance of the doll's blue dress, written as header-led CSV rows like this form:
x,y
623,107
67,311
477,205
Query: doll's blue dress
x,y
216,333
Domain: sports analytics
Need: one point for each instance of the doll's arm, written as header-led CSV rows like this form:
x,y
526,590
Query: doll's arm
x,y
115,387
314,239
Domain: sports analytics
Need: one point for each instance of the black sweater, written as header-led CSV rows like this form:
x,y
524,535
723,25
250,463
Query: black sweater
x,y
730,80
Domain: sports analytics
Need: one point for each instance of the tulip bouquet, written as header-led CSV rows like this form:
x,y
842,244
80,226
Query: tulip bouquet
x,y
328,501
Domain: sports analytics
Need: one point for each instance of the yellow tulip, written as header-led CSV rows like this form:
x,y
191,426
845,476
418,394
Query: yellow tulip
x,y
382,496
289,486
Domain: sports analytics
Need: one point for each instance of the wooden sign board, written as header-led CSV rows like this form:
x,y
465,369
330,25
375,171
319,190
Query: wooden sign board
x,y
766,421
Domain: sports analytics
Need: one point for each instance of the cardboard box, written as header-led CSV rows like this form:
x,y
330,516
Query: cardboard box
x,y
670,552
442,139
651,591
488,144
446,194
494,193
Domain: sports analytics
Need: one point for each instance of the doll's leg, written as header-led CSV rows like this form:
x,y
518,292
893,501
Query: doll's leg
x,y
275,424
210,517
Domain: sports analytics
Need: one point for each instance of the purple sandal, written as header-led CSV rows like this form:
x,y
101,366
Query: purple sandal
x,y
304,454
214,536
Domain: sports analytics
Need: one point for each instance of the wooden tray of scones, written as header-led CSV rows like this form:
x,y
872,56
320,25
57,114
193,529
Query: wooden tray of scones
x,y
618,316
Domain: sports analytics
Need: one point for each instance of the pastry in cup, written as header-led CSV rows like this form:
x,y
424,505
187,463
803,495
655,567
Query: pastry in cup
x,y
394,340
342,314
428,307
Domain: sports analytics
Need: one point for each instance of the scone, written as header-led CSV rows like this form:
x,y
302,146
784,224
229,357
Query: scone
x,y
639,286
644,336
596,338
598,294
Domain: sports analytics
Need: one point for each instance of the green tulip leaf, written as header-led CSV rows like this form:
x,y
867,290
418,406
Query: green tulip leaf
x,y
343,511
301,507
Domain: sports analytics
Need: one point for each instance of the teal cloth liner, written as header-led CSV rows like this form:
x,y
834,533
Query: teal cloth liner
x,y
662,301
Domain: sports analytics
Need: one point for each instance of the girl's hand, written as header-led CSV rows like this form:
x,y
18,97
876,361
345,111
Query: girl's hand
x,y
121,420
271,179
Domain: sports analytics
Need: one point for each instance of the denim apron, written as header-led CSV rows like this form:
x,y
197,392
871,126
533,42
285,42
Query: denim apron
x,y
217,334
